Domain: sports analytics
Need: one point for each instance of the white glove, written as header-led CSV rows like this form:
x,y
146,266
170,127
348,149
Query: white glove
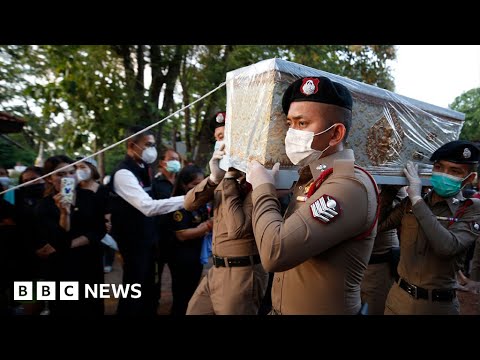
x,y
258,175
414,189
216,174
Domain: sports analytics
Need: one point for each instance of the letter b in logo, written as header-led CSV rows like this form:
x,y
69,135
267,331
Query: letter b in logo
x,y
22,290
46,290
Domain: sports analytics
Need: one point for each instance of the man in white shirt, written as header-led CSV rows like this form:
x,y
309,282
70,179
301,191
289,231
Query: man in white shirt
x,y
133,224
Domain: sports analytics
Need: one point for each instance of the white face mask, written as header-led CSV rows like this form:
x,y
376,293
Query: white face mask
x,y
298,146
83,174
149,155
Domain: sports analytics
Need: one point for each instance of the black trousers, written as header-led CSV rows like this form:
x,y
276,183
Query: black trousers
x,y
186,272
139,268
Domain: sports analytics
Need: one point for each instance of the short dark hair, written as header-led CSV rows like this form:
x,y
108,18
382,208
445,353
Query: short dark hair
x,y
163,152
95,173
37,170
336,115
133,130
50,164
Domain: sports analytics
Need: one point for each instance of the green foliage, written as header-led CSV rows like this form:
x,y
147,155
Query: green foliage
x,y
78,99
10,154
469,103
365,63
114,156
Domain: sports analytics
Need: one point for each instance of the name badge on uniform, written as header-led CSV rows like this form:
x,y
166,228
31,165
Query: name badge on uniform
x,y
325,209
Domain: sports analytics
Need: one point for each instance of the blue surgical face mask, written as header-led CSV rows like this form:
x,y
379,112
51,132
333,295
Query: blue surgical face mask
x,y
446,185
5,181
173,166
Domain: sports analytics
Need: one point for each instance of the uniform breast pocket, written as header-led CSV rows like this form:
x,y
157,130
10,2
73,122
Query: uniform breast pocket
x,y
475,227
409,229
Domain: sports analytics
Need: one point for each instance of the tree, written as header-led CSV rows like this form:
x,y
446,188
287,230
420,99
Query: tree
x,y
78,99
469,103
86,96
367,63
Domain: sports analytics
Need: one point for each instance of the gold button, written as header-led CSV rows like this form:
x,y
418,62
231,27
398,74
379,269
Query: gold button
x,y
278,279
300,187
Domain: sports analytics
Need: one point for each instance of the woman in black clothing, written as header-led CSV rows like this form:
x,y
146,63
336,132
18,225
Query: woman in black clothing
x,y
88,178
26,200
68,236
189,228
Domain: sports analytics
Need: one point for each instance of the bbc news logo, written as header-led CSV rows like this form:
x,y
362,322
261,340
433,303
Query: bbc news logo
x,y
69,290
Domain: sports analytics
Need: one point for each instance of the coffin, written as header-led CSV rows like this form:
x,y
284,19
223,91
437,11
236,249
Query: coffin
x,y
387,129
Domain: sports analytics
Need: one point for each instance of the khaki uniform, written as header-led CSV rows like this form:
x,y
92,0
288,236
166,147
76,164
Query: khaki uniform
x,y
318,266
379,277
429,249
228,290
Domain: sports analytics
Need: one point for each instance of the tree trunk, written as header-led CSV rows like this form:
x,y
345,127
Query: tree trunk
x,y
101,164
139,83
100,158
124,52
186,100
158,79
171,79
188,130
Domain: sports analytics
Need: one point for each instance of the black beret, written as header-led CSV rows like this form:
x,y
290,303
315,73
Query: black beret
x,y
218,119
317,89
458,151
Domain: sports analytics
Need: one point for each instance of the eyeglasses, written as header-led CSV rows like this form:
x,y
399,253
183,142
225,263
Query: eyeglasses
x,y
147,145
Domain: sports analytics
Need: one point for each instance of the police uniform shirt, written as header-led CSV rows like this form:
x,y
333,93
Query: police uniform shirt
x,y
232,216
318,266
429,246
387,239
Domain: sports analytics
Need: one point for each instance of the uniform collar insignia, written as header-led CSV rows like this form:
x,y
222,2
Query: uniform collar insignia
x,y
317,166
455,201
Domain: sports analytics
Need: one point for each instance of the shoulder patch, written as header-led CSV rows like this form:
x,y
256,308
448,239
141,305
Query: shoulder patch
x,y
325,209
344,167
177,216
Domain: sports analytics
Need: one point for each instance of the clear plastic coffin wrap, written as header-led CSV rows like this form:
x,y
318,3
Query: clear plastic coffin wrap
x,y
387,129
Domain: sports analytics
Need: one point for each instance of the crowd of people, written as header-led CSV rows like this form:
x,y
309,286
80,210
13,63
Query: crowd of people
x,y
336,243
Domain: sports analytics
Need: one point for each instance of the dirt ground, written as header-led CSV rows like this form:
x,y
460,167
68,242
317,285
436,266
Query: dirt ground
x,y
115,277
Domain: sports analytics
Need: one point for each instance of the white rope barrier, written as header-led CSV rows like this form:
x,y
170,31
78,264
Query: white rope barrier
x,y
117,143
